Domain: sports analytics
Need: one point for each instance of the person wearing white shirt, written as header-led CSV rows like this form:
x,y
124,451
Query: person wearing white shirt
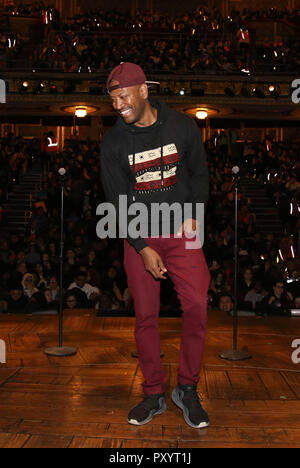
x,y
92,292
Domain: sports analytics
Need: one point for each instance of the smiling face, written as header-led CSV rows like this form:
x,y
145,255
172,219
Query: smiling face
x,y
131,103
225,304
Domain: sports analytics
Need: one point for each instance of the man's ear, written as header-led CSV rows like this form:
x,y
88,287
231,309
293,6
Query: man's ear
x,y
144,91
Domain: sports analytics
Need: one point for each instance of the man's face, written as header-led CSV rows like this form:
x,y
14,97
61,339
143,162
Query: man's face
x,y
225,304
248,275
53,283
130,103
71,302
80,281
278,289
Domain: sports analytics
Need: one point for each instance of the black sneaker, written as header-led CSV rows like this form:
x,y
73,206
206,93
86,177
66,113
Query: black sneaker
x,y
144,412
186,397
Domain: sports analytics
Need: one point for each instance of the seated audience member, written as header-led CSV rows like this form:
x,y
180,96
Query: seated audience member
x,y
46,264
292,277
256,295
91,292
29,288
17,302
41,276
33,257
112,283
35,297
54,288
278,300
91,259
297,302
71,302
245,284
217,284
107,301
71,258
226,304
47,302
70,267
21,270
53,254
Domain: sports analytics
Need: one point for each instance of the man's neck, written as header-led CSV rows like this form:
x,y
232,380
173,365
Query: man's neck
x,y
149,118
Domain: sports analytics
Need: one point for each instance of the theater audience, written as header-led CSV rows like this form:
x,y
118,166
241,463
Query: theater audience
x,y
93,271
17,302
200,40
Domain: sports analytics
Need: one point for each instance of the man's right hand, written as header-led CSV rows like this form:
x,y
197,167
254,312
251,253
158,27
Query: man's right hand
x,y
153,263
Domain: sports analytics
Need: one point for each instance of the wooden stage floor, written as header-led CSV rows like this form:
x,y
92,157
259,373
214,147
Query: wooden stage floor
x,y
83,401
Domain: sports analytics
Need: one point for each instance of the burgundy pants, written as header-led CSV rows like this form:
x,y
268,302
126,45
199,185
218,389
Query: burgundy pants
x,y
189,273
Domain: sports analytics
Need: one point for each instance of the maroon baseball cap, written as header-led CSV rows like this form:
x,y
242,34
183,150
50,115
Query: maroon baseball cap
x,y
125,75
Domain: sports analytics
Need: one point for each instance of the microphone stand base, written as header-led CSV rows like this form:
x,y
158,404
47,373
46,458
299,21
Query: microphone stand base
x,y
235,355
60,351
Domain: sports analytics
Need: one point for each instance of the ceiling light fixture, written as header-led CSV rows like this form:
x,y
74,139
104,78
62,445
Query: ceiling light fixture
x,y
201,115
80,112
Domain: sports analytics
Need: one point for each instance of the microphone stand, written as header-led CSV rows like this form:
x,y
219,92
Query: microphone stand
x,y
234,354
61,350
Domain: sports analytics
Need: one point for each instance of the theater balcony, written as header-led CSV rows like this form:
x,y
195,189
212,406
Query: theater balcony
x,y
219,101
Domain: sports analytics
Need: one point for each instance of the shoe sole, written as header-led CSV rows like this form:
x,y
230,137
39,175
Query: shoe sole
x,y
179,403
153,413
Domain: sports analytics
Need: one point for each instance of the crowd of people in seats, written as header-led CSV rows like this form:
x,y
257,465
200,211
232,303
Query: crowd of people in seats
x,y
268,265
198,41
33,9
16,157
207,43
11,46
115,18
93,273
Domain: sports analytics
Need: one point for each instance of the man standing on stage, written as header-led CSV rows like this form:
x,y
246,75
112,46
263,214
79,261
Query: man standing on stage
x,y
155,155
